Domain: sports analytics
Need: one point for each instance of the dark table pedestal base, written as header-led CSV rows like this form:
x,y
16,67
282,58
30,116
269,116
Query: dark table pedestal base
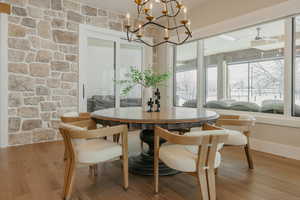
x,y
143,163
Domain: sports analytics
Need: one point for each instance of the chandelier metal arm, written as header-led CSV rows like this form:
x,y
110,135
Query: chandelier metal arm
x,y
162,42
168,12
162,26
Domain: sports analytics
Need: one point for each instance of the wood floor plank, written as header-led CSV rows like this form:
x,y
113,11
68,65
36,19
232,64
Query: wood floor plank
x,y
35,172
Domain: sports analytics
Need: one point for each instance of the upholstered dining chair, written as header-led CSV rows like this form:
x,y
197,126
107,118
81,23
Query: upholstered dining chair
x,y
239,130
75,117
82,149
195,153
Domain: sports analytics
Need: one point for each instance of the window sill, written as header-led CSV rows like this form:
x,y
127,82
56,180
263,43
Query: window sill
x,y
266,118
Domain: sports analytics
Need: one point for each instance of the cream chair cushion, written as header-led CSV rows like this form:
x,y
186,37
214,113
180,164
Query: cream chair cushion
x,y
194,148
179,158
95,151
184,157
74,128
235,138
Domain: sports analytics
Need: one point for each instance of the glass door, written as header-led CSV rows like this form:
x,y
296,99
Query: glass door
x,y
99,88
104,58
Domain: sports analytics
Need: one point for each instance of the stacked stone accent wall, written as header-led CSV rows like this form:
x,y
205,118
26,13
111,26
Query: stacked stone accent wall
x,y
43,63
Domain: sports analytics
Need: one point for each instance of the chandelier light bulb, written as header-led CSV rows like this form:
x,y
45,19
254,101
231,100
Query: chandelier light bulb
x,y
140,31
165,7
150,9
166,34
184,13
189,24
128,19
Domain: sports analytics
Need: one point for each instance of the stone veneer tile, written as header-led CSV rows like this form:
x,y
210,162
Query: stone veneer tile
x,y
40,3
31,124
20,83
19,11
87,10
16,30
65,37
19,68
16,56
28,112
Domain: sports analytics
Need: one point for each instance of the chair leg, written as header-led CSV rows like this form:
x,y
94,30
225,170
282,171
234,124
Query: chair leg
x,y
211,179
249,157
125,171
142,146
69,181
202,181
91,170
95,170
156,172
216,171
66,175
116,138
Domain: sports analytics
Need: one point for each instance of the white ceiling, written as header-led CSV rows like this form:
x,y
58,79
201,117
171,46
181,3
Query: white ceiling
x,y
125,6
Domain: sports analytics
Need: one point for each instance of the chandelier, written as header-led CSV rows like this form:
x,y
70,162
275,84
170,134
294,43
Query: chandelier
x,y
172,18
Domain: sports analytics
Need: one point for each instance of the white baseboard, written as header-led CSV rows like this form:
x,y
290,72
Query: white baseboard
x,y
275,148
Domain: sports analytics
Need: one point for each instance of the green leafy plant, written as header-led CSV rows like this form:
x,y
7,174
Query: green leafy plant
x,y
146,78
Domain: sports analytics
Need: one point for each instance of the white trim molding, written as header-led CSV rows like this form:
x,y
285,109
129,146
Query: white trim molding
x,y
283,150
265,118
3,82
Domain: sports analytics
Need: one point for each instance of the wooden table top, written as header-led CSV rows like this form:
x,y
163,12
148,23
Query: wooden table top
x,y
168,116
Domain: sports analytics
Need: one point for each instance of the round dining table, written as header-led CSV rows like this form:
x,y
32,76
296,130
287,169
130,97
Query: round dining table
x,y
172,119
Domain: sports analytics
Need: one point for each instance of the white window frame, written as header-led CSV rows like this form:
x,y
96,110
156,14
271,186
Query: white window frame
x,y
86,31
275,119
3,82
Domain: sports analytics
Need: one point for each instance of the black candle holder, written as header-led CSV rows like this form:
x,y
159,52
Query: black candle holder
x,y
157,100
150,105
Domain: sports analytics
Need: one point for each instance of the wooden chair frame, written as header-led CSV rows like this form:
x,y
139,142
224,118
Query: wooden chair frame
x,y
208,146
82,117
71,160
234,120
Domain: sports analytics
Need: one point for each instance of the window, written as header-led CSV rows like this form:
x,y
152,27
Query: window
x,y
131,57
245,70
252,67
238,88
185,70
211,83
296,106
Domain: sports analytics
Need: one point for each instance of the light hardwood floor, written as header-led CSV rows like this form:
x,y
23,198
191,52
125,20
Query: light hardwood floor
x,y
35,172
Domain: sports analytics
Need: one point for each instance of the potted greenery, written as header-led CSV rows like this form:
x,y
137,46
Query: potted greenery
x,y
147,79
